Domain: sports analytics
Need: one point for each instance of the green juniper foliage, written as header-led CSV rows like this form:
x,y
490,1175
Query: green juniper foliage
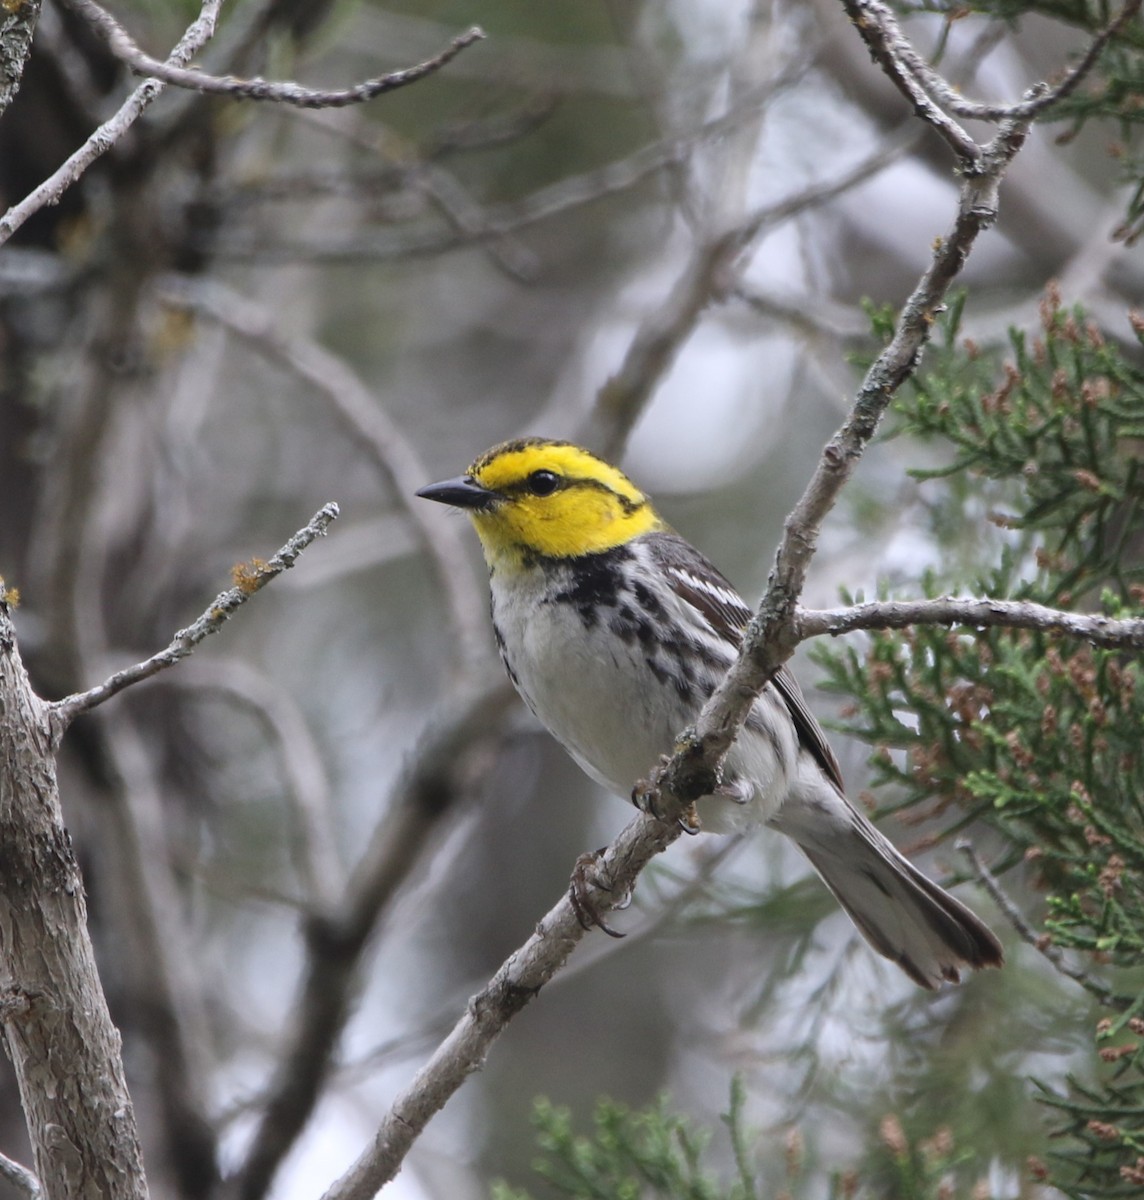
x,y
631,1154
1038,734
657,1154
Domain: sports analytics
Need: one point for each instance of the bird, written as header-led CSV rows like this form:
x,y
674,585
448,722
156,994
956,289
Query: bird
x,y
615,630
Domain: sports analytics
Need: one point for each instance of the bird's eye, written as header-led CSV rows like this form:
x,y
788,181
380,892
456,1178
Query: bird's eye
x,y
543,483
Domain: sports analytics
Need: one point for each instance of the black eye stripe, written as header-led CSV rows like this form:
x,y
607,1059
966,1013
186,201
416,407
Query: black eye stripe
x,y
551,482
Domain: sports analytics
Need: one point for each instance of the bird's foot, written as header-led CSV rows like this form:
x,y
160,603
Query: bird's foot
x,y
647,797
586,875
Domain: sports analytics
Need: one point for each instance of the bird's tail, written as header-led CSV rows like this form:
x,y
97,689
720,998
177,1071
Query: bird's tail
x,y
902,914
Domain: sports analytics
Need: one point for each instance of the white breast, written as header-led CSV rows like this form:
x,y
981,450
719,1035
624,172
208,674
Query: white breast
x,y
617,704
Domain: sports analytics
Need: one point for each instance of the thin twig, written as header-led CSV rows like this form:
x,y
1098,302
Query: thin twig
x,y
124,47
255,576
1039,941
198,33
934,98
1038,99
20,1177
1109,632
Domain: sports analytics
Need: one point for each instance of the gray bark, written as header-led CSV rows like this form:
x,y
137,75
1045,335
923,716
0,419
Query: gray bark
x,y
16,29
56,1026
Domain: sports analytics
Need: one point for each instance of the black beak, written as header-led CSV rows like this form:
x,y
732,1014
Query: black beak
x,y
462,492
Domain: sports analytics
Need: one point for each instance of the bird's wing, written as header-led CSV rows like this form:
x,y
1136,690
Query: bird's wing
x,y
701,585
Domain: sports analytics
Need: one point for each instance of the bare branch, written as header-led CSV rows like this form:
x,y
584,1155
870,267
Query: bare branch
x,y
198,33
20,1177
255,576
1040,100
370,426
771,637
956,610
1039,941
1040,97
123,46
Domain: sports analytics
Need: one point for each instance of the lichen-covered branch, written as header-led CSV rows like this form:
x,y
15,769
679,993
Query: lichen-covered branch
x,y
250,578
1110,632
518,981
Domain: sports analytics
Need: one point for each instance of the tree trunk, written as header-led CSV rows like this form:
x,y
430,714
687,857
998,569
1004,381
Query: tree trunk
x,y
56,1026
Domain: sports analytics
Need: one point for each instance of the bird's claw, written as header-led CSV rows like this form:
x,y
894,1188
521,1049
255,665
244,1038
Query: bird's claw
x,y
689,821
585,876
647,797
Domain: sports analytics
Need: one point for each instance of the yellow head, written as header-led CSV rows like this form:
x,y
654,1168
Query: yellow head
x,y
535,498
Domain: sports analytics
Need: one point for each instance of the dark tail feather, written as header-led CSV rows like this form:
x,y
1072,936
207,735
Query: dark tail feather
x,y
904,915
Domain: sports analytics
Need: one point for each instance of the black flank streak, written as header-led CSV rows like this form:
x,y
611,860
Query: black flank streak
x,y
659,671
681,673
504,655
